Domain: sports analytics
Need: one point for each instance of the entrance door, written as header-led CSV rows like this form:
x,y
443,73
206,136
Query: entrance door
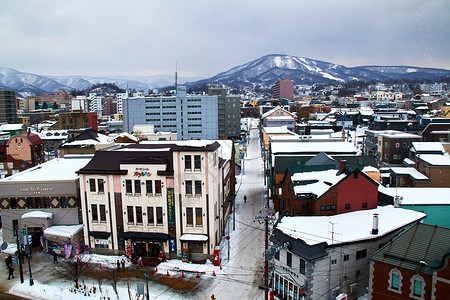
x,y
196,250
36,233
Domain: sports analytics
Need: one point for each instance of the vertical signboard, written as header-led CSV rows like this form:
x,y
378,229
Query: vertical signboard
x,y
170,206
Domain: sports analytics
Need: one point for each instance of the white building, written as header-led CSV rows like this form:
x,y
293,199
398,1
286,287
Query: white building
x,y
323,256
158,196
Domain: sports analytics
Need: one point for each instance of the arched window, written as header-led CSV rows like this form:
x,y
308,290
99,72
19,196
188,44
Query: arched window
x,y
417,287
395,281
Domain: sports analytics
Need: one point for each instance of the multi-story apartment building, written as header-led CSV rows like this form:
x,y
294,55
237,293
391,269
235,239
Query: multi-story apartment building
x,y
8,107
284,89
191,117
164,196
229,113
77,120
393,146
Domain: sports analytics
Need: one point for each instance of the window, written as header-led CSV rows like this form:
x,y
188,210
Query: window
x,y
197,162
92,185
334,262
198,187
138,215
364,205
395,281
425,169
386,145
417,287
188,184
128,187
397,145
102,213
347,206
189,216
187,162
47,202
302,266
137,186
277,255
326,207
159,216
130,213
94,213
30,202
63,200
149,186
198,217
405,145
361,254
346,257
355,175
101,187
158,187
289,259
15,227
150,216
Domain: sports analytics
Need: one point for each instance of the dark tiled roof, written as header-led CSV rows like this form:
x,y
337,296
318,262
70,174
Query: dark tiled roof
x,y
421,248
299,247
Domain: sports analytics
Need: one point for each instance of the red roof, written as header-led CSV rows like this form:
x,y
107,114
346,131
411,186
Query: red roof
x,y
32,137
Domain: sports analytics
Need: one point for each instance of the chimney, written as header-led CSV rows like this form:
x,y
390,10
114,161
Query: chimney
x,y
342,165
375,224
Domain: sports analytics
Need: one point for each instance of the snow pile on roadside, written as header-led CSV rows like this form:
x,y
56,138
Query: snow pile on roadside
x,y
175,266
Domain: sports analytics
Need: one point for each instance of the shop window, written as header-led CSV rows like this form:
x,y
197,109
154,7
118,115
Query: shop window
x,y
187,162
38,202
137,186
94,213
158,187
130,213
47,202
138,215
198,187
128,187
361,254
189,216
101,187
159,216
29,202
150,216
197,162
102,213
13,202
15,226
92,185
188,185
149,186
198,217
63,201
302,266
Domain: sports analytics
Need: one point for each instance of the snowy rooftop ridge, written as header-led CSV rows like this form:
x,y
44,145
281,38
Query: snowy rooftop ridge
x,y
63,230
348,227
318,182
316,147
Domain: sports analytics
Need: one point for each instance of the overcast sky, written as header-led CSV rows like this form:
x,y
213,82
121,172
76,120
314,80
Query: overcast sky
x,y
112,37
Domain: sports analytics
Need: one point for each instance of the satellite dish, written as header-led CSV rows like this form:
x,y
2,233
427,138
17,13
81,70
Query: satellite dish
x,y
4,245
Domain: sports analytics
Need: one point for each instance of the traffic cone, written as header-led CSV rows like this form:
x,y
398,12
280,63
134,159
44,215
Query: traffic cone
x,y
87,265
168,273
156,269
221,267
198,276
214,273
182,274
100,266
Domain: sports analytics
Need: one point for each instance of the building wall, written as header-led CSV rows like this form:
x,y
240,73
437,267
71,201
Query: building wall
x,y
380,282
21,149
8,107
349,192
436,214
439,175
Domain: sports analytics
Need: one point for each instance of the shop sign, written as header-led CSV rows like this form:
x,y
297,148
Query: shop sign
x,y
171,206
101,242
36,190
172,247
142,172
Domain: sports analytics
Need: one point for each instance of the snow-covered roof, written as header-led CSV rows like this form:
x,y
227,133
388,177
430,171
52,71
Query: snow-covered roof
x,y
274,110
428,146
53,135
314,147
37,214
189,143
277,130
226,147
435,159
126,135
194,237
317,182
63,230
349,227
100,139
370,169
419,196
408,161
11,126
58,169
409,171
280,117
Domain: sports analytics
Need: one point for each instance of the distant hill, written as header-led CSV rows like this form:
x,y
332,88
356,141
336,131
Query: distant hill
x,y
262,72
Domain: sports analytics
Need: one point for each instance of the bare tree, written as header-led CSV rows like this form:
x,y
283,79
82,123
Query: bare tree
x,y
113,275
71,269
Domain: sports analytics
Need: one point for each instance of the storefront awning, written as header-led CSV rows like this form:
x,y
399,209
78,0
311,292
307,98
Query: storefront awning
x,y
145,236
37,214
194,237
62,233
99,234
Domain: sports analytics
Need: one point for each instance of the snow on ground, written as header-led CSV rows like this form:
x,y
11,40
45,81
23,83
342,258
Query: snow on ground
x,y
240,275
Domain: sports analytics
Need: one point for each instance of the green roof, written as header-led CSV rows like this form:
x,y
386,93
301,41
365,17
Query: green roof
x,y
422,248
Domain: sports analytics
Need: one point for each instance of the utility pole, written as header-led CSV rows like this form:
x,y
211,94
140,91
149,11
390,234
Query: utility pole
x,y
146,282
266,261
19,251
28,255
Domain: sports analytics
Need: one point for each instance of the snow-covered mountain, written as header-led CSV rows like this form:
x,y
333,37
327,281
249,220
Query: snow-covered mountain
x,y
265,71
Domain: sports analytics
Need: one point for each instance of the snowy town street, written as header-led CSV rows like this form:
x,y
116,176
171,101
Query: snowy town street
x,y
240,276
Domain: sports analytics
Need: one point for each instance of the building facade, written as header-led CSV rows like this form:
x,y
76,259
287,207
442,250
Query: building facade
x,y
8,107
158,197
229,113
191,117
284,89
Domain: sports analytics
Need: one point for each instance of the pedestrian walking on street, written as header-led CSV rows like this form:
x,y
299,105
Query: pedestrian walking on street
x,y
123,263
55,257
245,199
8,260
118,266
10,272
